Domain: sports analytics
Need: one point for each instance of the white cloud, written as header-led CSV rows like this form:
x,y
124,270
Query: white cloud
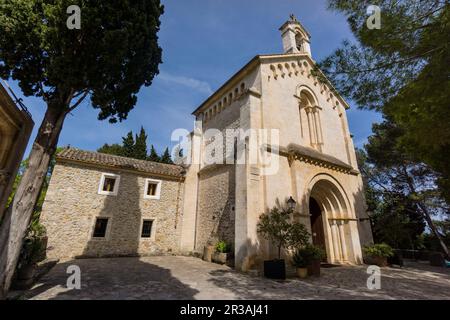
x,y
200,86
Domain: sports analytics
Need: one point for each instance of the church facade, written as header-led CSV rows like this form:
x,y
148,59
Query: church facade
x,y
295,118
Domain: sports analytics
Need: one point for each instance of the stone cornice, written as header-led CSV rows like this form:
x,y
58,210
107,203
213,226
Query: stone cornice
x,y
308,155
256,61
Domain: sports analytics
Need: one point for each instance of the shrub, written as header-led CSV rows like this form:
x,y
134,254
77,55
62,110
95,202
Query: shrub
x,y
276,226
307,254
299,259
378,250
34,246
222,247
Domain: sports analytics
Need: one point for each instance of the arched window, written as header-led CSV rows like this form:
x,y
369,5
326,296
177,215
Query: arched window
x,y
299,42
310,118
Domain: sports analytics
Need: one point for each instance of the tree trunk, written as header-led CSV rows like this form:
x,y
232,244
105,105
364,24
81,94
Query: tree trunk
x,y
425,213
18,215
434,229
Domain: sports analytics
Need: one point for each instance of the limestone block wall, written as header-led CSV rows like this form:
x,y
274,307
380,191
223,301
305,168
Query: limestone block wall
x,y
73,203
281,86
216,206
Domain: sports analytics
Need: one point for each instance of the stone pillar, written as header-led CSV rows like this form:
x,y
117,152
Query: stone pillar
x,y
336,243
318,126
189,224
312,135
247,187
341,226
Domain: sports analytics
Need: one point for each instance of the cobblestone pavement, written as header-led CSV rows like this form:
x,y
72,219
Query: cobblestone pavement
x,y
176,277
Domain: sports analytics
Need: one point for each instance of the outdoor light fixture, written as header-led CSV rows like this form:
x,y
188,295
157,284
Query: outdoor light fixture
x,y
291,203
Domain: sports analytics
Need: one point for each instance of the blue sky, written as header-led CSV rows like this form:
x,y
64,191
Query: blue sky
x,y
204,43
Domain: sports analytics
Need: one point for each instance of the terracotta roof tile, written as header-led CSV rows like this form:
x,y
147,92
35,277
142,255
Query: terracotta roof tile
x,y
121,162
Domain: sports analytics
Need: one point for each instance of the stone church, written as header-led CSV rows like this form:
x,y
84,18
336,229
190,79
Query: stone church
x,y
104,205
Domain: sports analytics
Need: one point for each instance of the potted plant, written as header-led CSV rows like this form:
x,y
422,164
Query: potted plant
x,y
223,252
378,254
300,262
276,227
314,256
32,251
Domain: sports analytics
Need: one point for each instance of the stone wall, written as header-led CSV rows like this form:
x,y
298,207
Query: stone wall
x,y
216,211
73,203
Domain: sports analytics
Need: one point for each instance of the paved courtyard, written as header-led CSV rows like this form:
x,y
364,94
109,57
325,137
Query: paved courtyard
x,y
175,277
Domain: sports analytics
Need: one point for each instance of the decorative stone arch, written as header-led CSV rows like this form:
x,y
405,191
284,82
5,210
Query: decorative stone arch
x,y
338,219
309,114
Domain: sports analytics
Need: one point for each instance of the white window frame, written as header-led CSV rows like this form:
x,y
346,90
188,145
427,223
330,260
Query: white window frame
x,y
158,189
116,184
153,231
107,232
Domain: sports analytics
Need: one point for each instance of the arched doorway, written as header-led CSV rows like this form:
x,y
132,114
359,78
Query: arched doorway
x,y
317,230
333,223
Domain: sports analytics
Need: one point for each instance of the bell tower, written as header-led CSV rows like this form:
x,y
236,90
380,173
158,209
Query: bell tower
x,y
295,37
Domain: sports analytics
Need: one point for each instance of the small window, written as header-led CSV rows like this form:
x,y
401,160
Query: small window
x,y
109,184
152,189
100,227
146,229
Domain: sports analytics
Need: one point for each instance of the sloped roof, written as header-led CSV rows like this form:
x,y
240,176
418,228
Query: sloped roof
x,y
73,154
257,60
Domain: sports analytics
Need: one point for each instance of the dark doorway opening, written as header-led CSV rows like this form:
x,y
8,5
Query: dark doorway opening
x,y
317,232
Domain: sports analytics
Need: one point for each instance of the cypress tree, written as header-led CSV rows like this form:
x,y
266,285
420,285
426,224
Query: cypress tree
x,y
165,158
140,147
128,145
153,155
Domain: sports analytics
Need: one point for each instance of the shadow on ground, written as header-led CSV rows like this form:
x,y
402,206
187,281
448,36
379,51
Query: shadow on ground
x,y
112,278
416,281
180,278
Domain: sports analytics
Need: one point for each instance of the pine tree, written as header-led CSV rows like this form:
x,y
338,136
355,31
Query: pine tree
x,y
153,155
128,145
140,147
166,158
115,149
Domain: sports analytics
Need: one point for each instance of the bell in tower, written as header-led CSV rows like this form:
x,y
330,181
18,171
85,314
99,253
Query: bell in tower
x,y
295,37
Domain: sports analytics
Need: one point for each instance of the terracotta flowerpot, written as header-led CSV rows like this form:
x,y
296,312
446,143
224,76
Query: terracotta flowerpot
x,y
302,273
314,268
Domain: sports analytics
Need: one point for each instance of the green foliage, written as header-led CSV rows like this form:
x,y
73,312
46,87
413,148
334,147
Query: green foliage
x,y
166,158
276,227
42,194
114,149
223,247
33,247
140,146
153,156
113,54
378,250
401,192
402,71
299,259
136,148
298,235
304,256
128,145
